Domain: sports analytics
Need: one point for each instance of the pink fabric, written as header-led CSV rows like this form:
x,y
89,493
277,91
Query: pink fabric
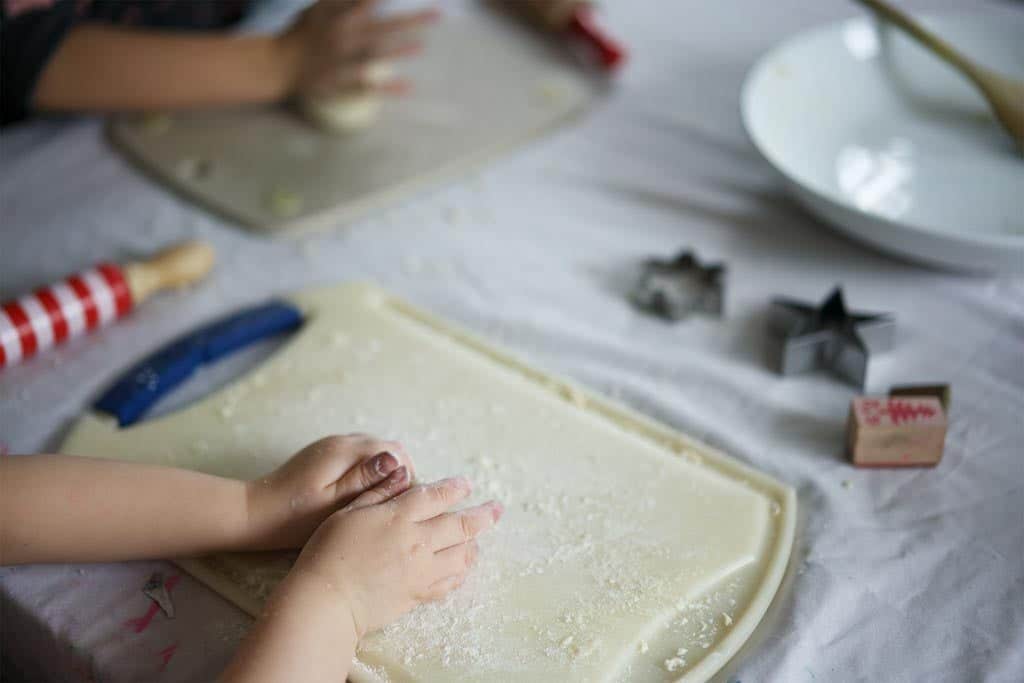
x,y
88,623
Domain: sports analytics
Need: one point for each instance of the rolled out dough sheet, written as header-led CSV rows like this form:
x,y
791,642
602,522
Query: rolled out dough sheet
x,y
628,551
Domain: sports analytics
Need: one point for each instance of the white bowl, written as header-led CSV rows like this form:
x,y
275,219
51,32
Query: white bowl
x,y
890,145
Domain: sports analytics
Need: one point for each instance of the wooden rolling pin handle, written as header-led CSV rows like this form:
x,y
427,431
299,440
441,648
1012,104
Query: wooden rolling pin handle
x,y
94,298
176,267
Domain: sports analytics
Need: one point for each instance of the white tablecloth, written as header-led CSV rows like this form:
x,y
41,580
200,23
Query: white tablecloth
x,y
911,575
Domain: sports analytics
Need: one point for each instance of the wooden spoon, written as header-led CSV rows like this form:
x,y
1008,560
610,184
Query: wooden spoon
x,y
1005,96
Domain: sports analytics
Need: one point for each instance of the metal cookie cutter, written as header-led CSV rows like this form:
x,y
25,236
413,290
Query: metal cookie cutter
x,y
827,336
675,289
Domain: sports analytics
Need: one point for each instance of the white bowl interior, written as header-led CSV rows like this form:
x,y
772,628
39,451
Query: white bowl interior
x,y
862,117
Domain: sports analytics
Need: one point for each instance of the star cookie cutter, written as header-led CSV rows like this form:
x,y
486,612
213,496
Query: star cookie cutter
x,y
827,336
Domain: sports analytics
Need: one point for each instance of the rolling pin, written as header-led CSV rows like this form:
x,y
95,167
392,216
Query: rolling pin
x,y
91,299
576,20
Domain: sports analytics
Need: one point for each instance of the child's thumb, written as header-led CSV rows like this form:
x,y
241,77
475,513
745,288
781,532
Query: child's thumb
x,y
396,483
363,476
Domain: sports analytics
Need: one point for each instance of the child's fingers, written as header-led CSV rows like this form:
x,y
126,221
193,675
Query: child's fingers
x,y
402,22
366,446
396,483
395,448
363,9
396,87
334,458
455,528
457,560
349,20
347,79
424,502
389,52
365,475
351,78
439,589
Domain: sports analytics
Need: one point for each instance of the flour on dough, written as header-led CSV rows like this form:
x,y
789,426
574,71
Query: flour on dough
x,y
350,113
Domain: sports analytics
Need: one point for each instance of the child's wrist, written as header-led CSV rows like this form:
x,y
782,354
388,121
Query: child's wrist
x,y
309,580
257,528
286,48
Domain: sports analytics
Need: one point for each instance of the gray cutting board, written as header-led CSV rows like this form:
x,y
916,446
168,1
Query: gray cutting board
x,y
484,85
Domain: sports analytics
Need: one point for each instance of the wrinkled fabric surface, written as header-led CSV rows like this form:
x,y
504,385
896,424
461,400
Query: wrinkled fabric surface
x,y
897,575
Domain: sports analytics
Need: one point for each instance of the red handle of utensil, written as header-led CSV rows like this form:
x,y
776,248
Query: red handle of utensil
x,y
582,26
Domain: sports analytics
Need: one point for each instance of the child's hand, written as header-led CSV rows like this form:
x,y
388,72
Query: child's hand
x,y
379,556
288,504
333,43
387,554
550,14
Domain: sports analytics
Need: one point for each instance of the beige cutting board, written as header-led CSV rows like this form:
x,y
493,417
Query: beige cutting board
x,y
628,551
484,85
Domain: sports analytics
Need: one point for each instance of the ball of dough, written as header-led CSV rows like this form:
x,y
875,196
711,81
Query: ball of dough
x,y
350,113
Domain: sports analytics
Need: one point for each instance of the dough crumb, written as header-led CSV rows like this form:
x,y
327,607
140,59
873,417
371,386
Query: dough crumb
x,y
156,123
284,202
674,663
642,647
191,168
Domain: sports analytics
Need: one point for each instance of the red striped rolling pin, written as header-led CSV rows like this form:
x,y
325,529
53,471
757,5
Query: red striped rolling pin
x,y
81,303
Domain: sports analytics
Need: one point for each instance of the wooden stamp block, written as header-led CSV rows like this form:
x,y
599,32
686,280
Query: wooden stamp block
x,y
896,432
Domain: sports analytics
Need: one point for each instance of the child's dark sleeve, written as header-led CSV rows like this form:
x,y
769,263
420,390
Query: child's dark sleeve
x,y
30,32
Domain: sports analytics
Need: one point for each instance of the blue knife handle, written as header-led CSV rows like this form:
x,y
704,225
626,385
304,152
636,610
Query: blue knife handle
x,y
141,386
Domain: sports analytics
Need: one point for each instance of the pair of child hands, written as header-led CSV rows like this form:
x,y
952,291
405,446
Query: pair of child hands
x,y
382,542
374,543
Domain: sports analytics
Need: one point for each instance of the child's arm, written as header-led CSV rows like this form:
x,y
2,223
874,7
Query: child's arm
x,y
109,68
364,566
105,68
56,508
